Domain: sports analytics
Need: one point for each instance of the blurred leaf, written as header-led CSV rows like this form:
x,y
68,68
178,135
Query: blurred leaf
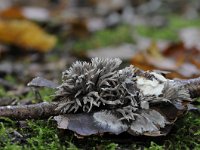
x,y
26,34
183,63
12,13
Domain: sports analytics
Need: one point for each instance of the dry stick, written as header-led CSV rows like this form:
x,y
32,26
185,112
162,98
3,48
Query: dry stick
x,y
34,111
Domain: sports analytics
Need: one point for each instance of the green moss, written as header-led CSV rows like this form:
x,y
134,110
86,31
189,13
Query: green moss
x,y
180,22
47,94
2,92
10,79
170,31
111,146
157,34
154,146
43,136
6,142
39,135
186,135
103,38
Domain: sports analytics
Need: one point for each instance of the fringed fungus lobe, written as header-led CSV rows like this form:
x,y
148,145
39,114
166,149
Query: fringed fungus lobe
x,y
101,85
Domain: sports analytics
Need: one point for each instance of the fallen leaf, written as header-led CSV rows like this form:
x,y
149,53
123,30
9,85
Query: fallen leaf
x,y
26,34
12,13
177,59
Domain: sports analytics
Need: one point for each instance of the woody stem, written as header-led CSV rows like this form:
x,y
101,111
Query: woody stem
x,y
34,111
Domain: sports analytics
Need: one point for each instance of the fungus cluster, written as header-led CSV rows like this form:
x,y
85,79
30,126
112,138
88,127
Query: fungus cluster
x,y
127,93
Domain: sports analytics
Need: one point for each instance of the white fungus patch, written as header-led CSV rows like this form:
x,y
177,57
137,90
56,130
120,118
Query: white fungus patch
x,y
109,121
149,87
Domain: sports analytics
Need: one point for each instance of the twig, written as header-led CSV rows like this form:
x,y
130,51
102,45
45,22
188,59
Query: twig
x,y
34,111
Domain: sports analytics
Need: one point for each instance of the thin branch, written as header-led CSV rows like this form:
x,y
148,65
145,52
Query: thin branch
x,y
34,111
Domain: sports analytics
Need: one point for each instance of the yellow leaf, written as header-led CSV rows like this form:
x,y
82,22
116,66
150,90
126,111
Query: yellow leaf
x,y
26,34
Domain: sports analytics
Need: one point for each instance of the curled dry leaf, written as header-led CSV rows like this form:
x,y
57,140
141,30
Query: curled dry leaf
x,y
26,34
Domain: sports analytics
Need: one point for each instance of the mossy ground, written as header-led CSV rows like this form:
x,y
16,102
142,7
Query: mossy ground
x,y
43,134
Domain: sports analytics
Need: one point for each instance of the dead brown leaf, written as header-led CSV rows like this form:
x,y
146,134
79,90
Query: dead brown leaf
x,y
12,13
177,59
